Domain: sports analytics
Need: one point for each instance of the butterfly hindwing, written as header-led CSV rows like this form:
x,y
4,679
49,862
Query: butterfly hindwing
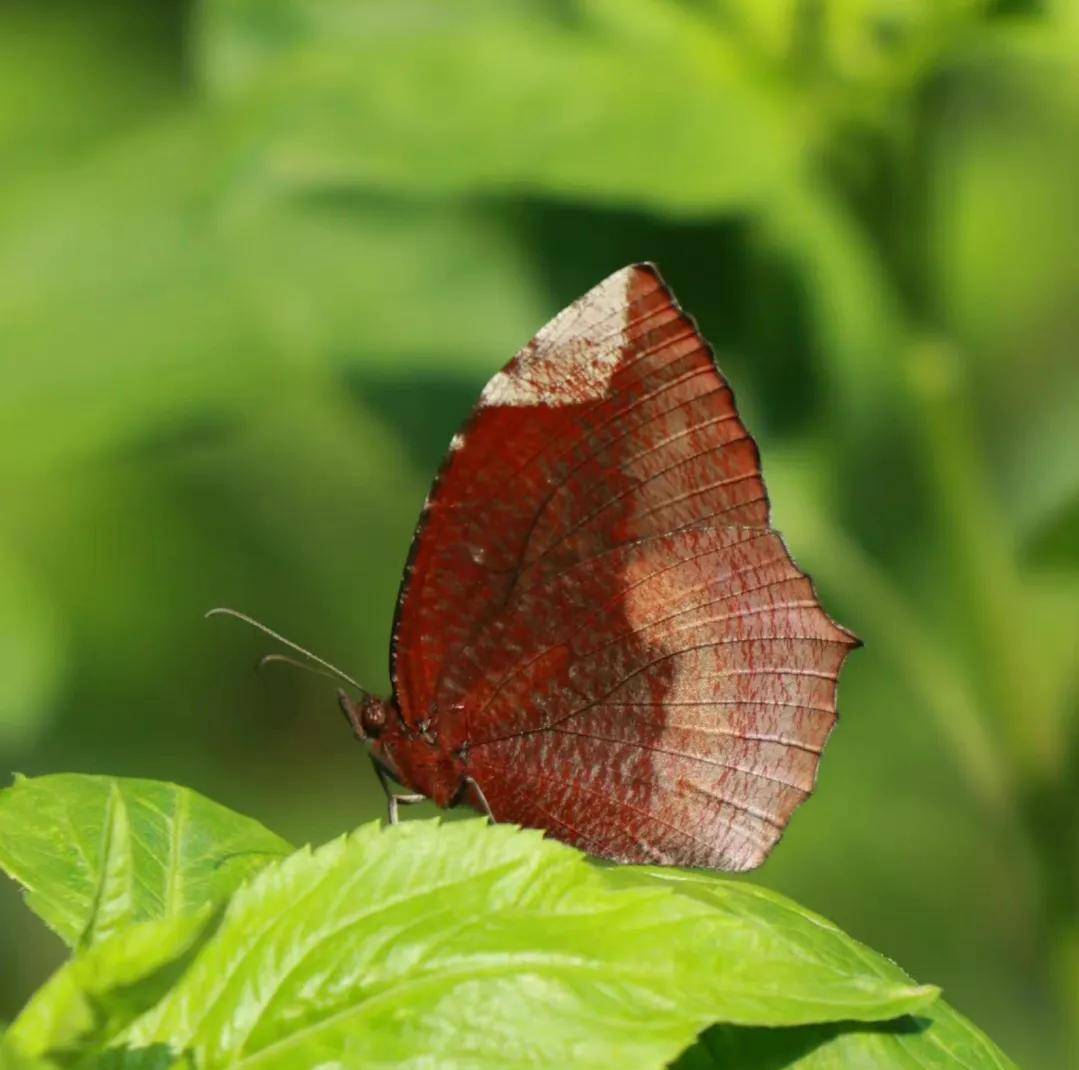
x,y
668,702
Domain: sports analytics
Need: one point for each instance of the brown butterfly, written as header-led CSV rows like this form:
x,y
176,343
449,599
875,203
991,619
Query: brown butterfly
x,y
598,633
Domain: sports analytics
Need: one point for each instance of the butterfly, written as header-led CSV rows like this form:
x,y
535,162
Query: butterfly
x,y
598,633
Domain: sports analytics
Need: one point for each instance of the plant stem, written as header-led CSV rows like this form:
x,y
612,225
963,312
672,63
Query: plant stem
x,y
943,692
982,562
1005,659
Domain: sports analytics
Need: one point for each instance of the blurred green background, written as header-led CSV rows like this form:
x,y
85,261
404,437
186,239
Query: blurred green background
x,y
257,257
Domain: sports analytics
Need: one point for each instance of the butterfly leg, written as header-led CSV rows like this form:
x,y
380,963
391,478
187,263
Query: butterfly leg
x,y
481,798
393,799
401,800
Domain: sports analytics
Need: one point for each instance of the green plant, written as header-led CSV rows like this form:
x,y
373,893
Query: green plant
x,y
200,939
258,258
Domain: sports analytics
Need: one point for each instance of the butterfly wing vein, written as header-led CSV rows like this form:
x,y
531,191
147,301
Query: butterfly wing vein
x,y
597,617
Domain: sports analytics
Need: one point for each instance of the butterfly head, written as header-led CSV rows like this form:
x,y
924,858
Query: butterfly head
x,y
368,715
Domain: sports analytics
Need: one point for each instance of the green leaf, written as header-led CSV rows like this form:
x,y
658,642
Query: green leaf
x,y
784,961
938,1039
96,853
105,986
682,107
656,106
385,285
396,945
11,1058
221,296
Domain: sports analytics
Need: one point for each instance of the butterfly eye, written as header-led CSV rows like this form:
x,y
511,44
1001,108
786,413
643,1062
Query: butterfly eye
x,y
366,715
373,716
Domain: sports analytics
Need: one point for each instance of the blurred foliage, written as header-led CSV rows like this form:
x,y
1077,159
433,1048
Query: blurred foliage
x,y
257,258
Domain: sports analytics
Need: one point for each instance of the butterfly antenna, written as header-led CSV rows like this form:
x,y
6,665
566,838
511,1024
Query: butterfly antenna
x,y
266,659
222,611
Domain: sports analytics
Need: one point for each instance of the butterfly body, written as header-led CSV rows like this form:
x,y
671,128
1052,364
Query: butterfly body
x,y
409,756
598,632
421,763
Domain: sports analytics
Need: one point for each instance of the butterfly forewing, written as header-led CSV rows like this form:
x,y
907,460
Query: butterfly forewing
x,y
597,619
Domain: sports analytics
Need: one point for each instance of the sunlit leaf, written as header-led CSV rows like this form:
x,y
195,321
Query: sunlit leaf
x,y
770,945
11,1058
105,986
395,946
97,853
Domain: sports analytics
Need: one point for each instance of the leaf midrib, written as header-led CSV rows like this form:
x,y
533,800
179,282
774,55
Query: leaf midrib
x,y
364,1005
172,874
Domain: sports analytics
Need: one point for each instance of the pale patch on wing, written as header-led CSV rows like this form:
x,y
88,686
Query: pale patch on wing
x,y
572,358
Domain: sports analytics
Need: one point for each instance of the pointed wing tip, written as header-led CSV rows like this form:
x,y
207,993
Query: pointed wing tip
x,y
635,269
648,266
845,635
